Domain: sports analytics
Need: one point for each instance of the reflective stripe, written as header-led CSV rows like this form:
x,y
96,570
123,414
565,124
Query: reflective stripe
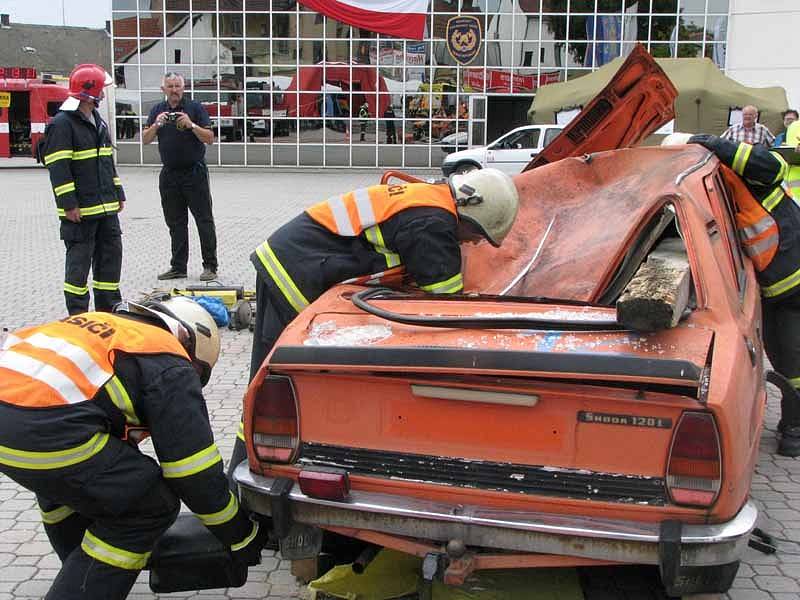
x,y
448,286
281,278
75,354
117,181
782,172
757,248
246,540
56,515
84,154
199,461
795,381
64,189
56,459
221,516
784,285
109,286
97,209
41,371
55,156
375,237
364,206
74,289
741,157
240,431
111,555
758,228
340,216
772,200
105,151
119,396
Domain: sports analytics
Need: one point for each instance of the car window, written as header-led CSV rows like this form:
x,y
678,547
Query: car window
x,y
722,231
551,134
522,139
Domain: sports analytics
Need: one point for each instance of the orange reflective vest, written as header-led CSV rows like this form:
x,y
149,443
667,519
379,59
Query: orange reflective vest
x,y
354,212
69,361
758,230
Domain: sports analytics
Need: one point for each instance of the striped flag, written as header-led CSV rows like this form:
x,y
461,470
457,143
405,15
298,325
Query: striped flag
x,y
398,18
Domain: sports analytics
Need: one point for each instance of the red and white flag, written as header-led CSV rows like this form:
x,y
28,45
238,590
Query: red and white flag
x,y
399,18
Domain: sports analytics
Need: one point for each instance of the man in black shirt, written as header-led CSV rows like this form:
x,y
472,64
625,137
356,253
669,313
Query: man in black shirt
x,y
183,129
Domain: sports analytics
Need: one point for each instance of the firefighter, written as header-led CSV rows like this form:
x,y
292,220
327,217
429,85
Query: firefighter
x,y
78,154
371,235
75,397
769,226
792,177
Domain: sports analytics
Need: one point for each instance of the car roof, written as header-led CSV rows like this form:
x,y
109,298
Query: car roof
x,y
577,219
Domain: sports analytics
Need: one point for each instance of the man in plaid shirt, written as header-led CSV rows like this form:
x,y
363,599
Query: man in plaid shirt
x,y
749,130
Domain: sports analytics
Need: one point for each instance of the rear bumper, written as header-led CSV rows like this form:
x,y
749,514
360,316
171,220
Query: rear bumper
x,y
521,531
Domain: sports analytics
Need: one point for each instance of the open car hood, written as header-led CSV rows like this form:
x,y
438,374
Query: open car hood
x,y
638,100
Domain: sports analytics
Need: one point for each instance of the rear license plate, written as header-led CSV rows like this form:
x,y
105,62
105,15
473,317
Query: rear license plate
x,y
302,541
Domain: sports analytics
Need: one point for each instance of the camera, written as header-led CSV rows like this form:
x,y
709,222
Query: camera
x,y
171,117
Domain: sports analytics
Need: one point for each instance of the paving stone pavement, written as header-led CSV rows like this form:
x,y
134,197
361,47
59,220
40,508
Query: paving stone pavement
x,y
248,206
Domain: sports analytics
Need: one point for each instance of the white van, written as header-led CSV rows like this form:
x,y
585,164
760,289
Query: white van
x,y
509,153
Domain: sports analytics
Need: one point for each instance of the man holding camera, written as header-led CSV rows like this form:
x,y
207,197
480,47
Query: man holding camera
x,y
183,128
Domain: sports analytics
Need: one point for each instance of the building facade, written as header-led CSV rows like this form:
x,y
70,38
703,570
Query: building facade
x,y
289,87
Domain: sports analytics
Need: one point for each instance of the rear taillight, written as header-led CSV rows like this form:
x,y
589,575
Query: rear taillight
x,y
275,432
325,483
694,470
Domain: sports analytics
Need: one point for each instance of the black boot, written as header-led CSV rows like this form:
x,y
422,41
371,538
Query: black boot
x,y
789,424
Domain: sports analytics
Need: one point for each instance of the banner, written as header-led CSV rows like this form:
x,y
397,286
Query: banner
x,y
399,18
500,81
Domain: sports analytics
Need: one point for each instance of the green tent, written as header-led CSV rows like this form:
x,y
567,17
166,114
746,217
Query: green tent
x,y
705,96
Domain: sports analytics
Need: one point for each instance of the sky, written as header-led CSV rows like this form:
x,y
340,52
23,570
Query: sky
x,y
79,13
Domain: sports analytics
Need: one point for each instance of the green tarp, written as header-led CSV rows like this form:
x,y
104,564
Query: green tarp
x,y
705,96
396,575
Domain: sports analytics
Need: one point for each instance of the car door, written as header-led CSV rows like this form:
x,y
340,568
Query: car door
x,y
512,152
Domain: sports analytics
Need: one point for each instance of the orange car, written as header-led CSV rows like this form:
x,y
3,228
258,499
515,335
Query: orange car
x,y
520,425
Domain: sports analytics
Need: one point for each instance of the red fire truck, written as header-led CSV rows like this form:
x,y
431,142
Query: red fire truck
x,y
27,104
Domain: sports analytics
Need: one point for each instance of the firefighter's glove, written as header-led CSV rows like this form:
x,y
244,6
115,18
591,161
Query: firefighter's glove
x,y
251,554
703,139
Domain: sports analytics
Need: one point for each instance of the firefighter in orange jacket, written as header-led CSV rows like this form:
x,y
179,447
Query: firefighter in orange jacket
x,y
769,228
71,392
370,235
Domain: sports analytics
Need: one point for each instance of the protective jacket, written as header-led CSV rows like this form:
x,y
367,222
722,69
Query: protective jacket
x,y
792,180
78,156
763,172
68,386
366,235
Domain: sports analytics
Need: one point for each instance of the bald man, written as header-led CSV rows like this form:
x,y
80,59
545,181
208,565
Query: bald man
x,y
749,130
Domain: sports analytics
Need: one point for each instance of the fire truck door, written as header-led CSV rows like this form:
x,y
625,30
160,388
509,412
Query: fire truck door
x,y
5,101
19,123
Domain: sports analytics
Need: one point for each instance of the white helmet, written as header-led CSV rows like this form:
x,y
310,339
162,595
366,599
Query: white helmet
x,y
189,322
676,139
488,199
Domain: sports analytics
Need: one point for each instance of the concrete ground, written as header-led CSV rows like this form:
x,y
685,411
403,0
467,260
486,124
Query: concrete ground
x,y
248,205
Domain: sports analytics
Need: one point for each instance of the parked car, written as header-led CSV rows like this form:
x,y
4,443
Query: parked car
x,y
509,153
519,424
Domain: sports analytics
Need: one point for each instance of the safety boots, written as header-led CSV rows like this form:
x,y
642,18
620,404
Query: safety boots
x,y
789,425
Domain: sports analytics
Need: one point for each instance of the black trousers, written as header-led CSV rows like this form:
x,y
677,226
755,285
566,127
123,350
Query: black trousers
x,y
94,244
782,345
273,314
115,503
183,191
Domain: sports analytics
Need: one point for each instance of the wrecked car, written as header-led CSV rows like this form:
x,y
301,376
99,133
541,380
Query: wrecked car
x,y
521,424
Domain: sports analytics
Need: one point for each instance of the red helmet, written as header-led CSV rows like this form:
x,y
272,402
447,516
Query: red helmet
x,y
86,82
